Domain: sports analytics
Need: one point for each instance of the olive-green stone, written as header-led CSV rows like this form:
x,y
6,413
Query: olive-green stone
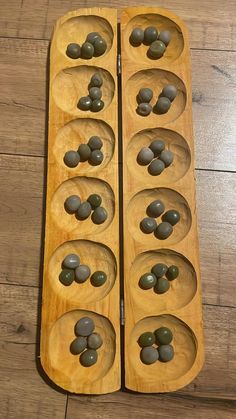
x,y
72,203
71,261
165,37
167,157
71,158
67,276
95,143
99,215
171,216
148,225
157,146
96,80
92,36
145,156
163,230
155,209
87,50
84,151
144,109
150,35
95,93
149,355
172,273
98,278
85,103
96,157
156,49
163,335
84,326
78,345
95,341
73,50
145,95
137,36
169,91
97,105
88,357
147,281
82,273
162,106
95,200
84,211
156,167
159,270
100,46
162,286
146,339
166,353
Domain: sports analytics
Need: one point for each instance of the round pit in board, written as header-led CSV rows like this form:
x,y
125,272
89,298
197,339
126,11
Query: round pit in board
x,y
83,28
76,99
93,257
167,31
75,136
83,187
155,79
139,214
164,263
66,364
143,154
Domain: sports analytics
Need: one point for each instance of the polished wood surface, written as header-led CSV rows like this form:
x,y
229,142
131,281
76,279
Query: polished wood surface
x,y
25,393
97,245
145,310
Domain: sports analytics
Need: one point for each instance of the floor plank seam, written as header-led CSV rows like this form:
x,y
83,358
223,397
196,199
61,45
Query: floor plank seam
x,y
48,40
215,170
40,287
41,156
66,407
12,284
24,155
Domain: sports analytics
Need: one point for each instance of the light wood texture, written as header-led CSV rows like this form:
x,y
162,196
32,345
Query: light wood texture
x,y
203,398
24,200
21,381
176,188
23,80
23,106
211,24
97,245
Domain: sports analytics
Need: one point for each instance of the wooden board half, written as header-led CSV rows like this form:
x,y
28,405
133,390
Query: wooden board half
x,y
180,308
97,245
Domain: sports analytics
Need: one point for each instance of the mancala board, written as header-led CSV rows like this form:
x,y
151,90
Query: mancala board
x,y
96,245
178,309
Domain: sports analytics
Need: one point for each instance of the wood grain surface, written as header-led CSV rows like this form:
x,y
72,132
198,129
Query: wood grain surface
x,y
145,310
25,28
97,245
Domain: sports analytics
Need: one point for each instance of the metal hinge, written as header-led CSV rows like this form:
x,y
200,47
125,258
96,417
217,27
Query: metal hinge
x,y
122,312
118,64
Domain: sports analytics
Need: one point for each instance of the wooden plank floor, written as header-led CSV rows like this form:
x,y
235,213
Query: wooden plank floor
x,y
25,393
